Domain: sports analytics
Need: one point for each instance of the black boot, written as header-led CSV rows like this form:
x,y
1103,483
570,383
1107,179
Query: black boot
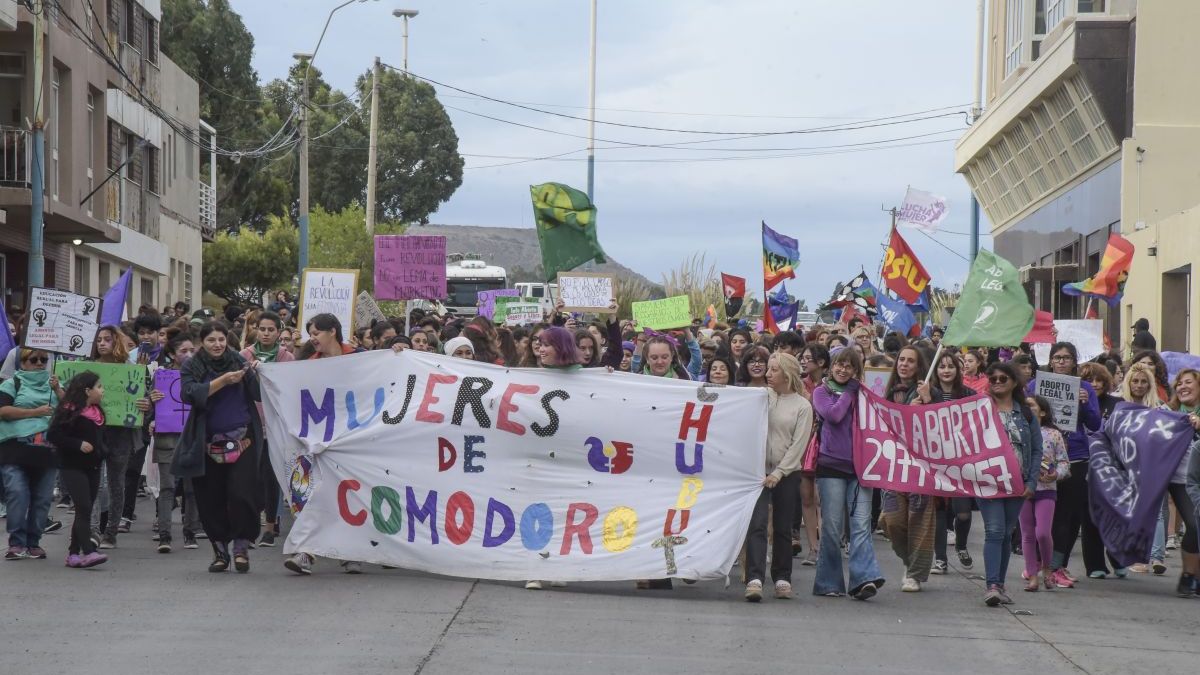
x,y
220,561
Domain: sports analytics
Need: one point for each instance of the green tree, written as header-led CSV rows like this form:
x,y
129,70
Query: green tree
x,y
242,266
340,241
419,164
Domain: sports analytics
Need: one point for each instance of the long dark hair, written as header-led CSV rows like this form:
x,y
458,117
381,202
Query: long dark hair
x,y
750,352
957,388
1160,366
1060,346
922,368
1045,413
726,359
582,334
1018,396
324,321
74,399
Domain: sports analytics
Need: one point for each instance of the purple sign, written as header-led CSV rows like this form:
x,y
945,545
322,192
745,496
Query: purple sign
x,y
1132,460
410,267
170,412
487,300
1177,361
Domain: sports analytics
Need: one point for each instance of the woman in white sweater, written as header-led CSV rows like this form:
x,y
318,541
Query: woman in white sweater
x,y
789,425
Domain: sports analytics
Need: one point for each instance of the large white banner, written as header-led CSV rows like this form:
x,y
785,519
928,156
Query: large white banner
x,y
1086,334
467,469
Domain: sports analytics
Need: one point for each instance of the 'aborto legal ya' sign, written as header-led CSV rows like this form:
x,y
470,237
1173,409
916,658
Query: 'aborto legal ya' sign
x,y
462,468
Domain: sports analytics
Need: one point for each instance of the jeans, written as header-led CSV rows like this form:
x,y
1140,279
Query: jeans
x,y
1159,551
28,492
839,497
780,501
999,519
111,500
166,504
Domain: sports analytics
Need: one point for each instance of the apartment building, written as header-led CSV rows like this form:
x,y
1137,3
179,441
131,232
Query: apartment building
x,y
123,146
1091,127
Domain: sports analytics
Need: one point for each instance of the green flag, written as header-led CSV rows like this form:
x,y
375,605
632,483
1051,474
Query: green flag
x,y
566,228
994,310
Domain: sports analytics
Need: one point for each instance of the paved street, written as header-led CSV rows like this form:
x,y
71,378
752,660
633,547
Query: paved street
x,y
145,612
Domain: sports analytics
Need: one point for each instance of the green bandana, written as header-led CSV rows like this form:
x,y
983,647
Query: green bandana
x,y
265,355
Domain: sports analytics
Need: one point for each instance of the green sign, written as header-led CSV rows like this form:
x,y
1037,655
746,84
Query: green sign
x,y
664,314
500,313
124,384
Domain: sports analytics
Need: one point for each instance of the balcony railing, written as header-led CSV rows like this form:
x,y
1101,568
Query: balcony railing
x,y
208,212
15,157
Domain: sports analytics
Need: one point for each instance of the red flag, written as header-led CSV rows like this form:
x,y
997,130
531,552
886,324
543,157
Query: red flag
x,y
902,272
1043,328
734,289
852,312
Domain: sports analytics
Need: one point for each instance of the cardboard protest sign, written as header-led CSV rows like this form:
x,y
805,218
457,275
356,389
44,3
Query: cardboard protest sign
x,y
1131,463
1086,334
876,379
954,449
410,267
367,311
1062,391
61,322
513,473
327,291
674,312
170,412
584,292
124,384
521,313
487,300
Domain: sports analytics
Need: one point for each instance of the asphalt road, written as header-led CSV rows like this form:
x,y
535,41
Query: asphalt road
x,y
145,612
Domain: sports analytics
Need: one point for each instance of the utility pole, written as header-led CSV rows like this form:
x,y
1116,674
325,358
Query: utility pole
x,y
404,15
373,144
37,260
591,160
303,168
976,113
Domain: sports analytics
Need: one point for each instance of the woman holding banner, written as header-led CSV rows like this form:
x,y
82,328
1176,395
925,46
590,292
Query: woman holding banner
x,y
1140,387
1187,400
266,349
28,465
1000,514
789,425
814,361
837,483
219,446
1071,513
909,519
949,385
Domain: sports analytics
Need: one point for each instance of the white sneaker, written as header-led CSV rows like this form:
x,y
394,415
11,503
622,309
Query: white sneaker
x,y
783,590
533,585
301,563
910,585
754,591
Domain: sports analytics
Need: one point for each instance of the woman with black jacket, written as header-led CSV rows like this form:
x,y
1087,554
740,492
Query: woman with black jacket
x,y
77,432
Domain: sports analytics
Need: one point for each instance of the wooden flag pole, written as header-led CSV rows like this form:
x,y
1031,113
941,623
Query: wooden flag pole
x,y
933,365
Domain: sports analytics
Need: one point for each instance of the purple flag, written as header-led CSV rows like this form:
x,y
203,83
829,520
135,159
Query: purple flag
x,y
1177,361
1133,459
112,312
6,338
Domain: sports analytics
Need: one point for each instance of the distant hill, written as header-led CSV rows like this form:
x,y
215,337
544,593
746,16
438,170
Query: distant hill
x,y
514,249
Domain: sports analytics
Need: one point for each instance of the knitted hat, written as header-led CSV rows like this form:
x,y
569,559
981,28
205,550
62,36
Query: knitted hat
x,y
453,344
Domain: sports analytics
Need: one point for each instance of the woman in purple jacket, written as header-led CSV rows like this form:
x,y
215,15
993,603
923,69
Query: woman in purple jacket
x,y
838,486
1071,512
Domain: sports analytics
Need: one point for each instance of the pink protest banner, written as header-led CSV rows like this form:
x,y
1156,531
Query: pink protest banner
x,y
953,449
170,412
410,267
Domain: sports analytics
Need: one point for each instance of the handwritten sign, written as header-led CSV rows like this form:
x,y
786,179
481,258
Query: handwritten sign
x,y
585,292
1062,391
521,313
62,322
486,300
328,292
366,311
664,314
124,385
409,267
500,313
170,412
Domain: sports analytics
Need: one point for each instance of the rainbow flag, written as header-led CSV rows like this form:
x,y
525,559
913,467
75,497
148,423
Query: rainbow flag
x,y
710,317
781,255
1109,282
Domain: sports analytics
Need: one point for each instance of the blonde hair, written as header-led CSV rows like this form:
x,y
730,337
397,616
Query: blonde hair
x,y
870,334
1150,400
790,367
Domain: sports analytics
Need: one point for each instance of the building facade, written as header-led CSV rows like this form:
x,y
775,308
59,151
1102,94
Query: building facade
x,y
1090,127
123,146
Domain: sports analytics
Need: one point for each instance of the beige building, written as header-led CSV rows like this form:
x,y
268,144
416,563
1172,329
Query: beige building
x,y
1091,127
149,207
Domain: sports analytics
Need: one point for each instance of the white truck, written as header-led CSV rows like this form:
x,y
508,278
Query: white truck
x,y
466,276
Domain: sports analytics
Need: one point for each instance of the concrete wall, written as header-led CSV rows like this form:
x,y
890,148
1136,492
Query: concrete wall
x,y
1162,191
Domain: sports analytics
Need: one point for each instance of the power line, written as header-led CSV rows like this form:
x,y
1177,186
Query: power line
x,y
944,246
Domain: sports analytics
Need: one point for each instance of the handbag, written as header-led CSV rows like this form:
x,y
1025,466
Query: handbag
x,y
809,462
227,447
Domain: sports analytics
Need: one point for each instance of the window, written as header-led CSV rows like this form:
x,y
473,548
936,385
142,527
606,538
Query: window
x,y
55,127
151,154
1091,6
148,293
1056,11
151,40
91,146
82,269
104,274
187,285
1014,34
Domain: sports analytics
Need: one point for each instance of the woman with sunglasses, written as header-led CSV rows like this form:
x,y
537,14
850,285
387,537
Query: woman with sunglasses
x,y
909,518
28,465
949,385
1071,511
1000,514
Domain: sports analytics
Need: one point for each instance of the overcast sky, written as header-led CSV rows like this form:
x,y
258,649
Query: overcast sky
x,y
751,66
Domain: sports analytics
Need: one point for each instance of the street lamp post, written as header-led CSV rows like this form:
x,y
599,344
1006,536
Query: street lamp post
x,y
405,15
